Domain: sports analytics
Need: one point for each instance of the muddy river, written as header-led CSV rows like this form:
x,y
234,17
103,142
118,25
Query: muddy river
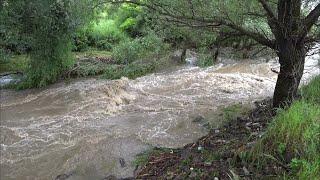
x,y
87,127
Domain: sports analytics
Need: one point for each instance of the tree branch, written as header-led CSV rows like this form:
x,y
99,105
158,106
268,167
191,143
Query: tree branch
x,y
202,22
269,11
254,35
310,20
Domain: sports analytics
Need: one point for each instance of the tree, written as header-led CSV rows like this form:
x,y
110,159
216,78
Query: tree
x,y
287,29
48,26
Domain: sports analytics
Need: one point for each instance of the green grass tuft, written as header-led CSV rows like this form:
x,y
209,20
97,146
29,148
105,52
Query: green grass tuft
x,y
292,139
232,112
311,92
143,158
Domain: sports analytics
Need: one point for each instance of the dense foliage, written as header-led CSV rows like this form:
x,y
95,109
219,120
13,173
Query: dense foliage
x,y
43,29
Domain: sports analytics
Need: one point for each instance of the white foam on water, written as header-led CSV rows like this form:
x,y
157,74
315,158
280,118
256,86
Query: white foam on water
x,y
87,125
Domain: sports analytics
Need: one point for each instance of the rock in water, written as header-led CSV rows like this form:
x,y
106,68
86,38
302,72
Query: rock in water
x,y
178,56
122,162
198,119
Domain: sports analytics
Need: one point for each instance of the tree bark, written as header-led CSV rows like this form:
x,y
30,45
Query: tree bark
x,y
292,60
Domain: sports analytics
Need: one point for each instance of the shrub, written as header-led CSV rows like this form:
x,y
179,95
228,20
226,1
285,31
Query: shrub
x,y
80,40
152,44
133,71
127,51
206,58
130,19
105,34
15,63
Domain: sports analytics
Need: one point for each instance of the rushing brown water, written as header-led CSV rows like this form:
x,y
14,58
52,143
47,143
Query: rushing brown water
x,y
86,127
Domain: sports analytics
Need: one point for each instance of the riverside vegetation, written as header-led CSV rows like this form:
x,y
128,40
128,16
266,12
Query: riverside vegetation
x,y
52,40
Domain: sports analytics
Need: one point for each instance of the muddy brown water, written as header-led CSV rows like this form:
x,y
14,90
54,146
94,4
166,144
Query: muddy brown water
x,y
86,127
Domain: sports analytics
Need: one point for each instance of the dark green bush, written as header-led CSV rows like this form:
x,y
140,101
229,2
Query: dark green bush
x,y
51,46
129,51
80,40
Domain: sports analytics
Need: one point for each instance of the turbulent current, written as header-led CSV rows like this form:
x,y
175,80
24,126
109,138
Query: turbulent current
x,y
92,128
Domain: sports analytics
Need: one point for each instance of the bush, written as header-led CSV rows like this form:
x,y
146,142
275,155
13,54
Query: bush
x,y
80,40
206,58
51,46
127,51
152,44
130,19
105,34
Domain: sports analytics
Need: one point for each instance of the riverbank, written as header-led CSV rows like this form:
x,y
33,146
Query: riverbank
x,y
256,146
91,63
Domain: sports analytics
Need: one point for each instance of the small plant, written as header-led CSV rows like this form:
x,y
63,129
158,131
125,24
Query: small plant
x,y
15,63
210,156
142,158
129,51
187,161
231,112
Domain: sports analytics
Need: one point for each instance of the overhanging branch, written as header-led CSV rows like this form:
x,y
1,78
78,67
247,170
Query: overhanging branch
x,y
195,21
310,20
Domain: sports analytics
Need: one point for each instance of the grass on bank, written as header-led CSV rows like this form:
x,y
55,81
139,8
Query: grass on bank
x,y
143,158
91,63
17,63
293,137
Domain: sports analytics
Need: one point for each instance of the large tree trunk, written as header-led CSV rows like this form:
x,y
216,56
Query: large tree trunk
x,y
292,59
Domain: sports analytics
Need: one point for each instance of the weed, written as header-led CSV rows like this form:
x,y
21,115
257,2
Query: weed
x,y
311,92
210,156
232,112
292,139
142,158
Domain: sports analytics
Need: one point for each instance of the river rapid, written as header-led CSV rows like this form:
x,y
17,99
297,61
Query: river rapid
x,y
93,128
